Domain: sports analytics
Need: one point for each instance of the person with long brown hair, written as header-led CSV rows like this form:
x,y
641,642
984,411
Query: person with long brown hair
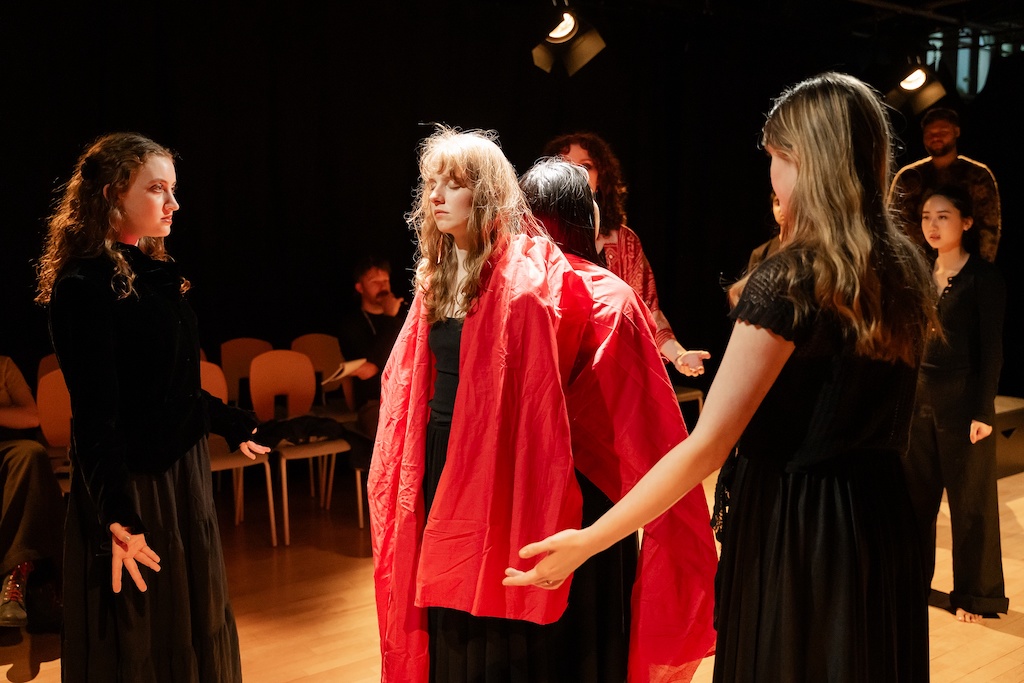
x,y
618,247
141,499
819,572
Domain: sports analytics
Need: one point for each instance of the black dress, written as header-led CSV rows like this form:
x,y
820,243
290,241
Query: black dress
x,y
589,643
817,578
140,458
958,384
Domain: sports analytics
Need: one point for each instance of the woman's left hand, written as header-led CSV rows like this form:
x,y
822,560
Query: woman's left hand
x,y
979,431
128,551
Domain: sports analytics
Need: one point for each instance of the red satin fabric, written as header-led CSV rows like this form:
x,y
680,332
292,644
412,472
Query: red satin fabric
x,y
562,372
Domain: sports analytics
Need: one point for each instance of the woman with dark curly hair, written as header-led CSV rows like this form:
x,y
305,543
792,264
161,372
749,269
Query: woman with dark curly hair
x,y
618,246
141,494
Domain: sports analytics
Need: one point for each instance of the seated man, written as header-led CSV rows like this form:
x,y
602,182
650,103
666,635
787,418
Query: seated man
x,y
369,333
32,514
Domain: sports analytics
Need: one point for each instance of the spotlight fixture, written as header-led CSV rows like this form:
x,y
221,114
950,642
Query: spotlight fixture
x,y
565,30
915,80
568,41
919,88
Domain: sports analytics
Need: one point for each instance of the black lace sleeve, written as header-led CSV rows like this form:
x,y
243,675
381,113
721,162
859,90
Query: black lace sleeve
x,y
765,303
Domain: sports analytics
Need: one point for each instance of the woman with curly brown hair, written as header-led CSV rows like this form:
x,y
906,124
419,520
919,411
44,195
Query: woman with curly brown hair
x,y
140,495
618,246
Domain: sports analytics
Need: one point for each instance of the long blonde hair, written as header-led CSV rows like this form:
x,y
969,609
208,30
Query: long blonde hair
x,y
838,226
474,159
84,222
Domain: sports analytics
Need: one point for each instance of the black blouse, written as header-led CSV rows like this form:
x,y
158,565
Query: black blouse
x,y
445,340
132,368
971,310
828,403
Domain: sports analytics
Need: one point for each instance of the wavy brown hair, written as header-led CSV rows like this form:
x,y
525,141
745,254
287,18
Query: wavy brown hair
x,y
838,226
84,223
473,159
611,188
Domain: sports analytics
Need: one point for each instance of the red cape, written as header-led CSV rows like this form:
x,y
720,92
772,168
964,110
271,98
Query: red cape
x,y
509,476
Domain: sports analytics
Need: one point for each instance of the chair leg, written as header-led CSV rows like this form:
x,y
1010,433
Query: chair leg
x,y
284,500
237,483
321,469
329,489
312,483
270,505
359,497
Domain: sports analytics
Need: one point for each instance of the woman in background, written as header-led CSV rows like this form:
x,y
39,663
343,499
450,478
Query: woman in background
x,y
141,494
951,445
617,245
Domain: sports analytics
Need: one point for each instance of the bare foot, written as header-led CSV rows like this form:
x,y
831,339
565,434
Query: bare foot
x,y
967,617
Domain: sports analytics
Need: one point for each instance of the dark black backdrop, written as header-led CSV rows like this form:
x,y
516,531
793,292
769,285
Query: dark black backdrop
x,y
297,130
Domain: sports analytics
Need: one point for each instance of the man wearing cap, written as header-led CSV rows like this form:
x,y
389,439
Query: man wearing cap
x,y
945,167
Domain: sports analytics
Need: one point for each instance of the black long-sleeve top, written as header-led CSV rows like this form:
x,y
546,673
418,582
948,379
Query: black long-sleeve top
x,y
971,310
370,336
132,367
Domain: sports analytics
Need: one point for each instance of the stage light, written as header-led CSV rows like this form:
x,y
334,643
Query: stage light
x,y
919,88
915,80
570,41
565,30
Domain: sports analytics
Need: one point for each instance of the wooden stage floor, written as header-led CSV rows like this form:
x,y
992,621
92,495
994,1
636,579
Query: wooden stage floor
x,y
306,614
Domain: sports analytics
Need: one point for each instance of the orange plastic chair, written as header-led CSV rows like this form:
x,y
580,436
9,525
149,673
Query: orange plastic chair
x,y
54,404
290,374
47,364
324,352
223,458
235,357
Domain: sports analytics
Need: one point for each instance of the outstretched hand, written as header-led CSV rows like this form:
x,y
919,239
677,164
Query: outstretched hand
x,y
691,363
566,551
128,551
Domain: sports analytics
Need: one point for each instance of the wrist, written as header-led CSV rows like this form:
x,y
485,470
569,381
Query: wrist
x,y
672,350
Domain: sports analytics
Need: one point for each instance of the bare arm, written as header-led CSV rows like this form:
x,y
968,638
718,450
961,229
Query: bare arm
x,y
752,362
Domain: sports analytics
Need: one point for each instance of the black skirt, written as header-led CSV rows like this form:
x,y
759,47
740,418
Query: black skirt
x,y
182,630
589,643
819,578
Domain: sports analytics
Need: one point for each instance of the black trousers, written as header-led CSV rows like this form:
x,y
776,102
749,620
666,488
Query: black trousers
x,y
32,518
941,456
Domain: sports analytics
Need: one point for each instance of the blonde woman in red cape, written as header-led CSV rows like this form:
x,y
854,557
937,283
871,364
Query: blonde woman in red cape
x,y
819,577
477,451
